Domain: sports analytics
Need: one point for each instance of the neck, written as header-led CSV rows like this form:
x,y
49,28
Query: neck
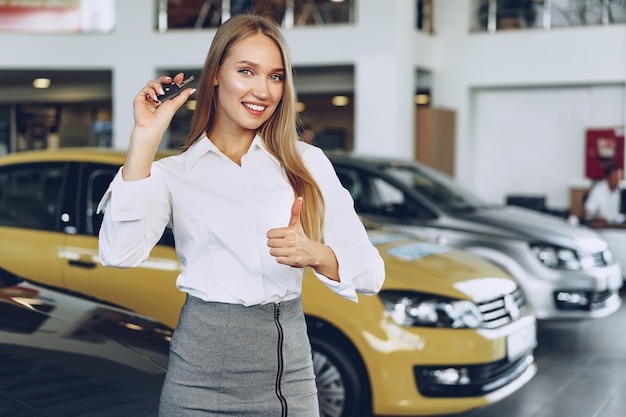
x,y
234,147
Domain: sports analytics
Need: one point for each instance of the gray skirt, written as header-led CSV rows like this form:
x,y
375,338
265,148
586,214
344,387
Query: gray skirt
x,y
231,360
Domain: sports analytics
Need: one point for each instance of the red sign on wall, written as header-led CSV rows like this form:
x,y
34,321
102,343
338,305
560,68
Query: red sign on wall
x,y
40,16
603,147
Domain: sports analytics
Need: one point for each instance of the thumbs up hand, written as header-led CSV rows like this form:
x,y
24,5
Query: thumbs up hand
x,y
296,208
289,245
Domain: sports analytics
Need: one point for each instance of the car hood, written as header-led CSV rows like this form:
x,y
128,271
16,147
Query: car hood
x,y
104,359
426,267
519,223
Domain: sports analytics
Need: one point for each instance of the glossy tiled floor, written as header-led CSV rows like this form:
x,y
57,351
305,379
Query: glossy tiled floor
x,y
581,372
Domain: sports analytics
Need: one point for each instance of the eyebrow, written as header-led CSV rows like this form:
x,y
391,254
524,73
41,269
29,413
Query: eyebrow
x,y
255,65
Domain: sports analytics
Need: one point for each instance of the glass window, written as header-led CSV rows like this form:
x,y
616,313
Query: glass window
x,y
383,198
435,187
5,129
496,15
202,14
30,196
371,195
33,121
97,183
375,196
387,194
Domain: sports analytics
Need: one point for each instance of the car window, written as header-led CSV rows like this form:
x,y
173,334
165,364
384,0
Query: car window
x,y
374,196
440,190
30,196
350,181
98,181
386,194
383,198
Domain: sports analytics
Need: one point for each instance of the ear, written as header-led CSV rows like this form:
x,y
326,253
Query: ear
x,y
215,81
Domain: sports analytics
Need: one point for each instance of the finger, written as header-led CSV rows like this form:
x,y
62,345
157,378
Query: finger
x,y
280,237
178,78
156,86
295,212
151,90
282,257
281,252
279,233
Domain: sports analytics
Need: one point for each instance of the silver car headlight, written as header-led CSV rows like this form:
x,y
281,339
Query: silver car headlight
x,y
558,257
417,309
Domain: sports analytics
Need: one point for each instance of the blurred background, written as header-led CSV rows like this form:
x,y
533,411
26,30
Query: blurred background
x,y
504,95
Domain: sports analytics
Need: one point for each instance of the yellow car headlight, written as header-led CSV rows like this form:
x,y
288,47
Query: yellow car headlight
x,y
407,308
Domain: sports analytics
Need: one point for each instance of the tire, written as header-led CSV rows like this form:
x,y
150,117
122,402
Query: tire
x,y
342,385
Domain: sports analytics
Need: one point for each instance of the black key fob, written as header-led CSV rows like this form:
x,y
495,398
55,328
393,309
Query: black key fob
x,y
172,90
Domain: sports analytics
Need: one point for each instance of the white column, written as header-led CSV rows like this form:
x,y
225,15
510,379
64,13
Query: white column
x,y
384,79
135,25
450,85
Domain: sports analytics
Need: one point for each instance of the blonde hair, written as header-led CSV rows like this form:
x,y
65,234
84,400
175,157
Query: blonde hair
x,y
279,132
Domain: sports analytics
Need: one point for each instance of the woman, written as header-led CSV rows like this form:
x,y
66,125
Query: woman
x,y
250,206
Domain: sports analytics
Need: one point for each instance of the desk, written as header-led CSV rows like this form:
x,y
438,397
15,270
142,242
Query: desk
x,y
619,226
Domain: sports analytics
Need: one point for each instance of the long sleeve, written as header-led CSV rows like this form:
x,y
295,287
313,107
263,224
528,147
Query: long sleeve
x,y
220,213
135,216
361,268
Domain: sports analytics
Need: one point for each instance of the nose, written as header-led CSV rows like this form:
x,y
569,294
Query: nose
x,y
261,89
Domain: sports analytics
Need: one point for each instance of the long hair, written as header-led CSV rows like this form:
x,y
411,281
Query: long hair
x,y
279,132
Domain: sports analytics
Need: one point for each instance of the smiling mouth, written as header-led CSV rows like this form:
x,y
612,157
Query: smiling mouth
x,y
254,107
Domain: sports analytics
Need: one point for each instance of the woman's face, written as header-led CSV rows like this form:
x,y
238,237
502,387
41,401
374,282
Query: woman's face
x,y
250,84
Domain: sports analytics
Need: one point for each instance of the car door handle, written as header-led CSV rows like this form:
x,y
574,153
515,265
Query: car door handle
x,y
82,264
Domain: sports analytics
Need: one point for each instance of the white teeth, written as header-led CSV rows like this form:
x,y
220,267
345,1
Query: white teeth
x,y
254,107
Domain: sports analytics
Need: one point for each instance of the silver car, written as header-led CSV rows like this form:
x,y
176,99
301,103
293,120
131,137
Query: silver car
x,y
565,271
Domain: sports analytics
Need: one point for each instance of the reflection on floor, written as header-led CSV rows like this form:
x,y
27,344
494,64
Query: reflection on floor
x,y
581,372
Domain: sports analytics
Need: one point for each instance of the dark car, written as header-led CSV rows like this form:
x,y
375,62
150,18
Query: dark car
x,y
566,272
67,356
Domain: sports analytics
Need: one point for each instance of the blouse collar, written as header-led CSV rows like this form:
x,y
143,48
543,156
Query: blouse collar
x,y
204,145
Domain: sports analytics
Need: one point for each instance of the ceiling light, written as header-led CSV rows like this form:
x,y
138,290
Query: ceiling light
x,y
41,82
422,99
300,106
340,101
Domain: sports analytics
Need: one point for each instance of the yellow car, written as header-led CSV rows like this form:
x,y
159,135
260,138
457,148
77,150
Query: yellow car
x,y
447,333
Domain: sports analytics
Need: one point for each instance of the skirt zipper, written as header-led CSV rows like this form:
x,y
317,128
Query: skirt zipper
x,y
279,374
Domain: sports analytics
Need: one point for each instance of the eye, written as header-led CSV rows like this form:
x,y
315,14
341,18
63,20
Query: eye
x,y
245,71
276,77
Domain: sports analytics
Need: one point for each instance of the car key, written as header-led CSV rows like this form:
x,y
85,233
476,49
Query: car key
x,y
172,90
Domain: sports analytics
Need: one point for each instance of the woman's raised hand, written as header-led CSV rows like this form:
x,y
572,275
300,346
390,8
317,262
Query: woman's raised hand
x,y
152,117
152,114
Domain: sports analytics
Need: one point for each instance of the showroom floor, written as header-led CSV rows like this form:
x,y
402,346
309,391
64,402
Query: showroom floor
x,y
581,372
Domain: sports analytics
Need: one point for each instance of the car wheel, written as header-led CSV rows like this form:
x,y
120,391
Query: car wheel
x,y
343,391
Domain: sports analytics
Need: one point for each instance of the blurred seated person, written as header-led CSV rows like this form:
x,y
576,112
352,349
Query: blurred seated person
x,y
603,205
306,134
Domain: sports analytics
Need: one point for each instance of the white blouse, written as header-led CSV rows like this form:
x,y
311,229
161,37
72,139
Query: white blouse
x,y
220,213
602,202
